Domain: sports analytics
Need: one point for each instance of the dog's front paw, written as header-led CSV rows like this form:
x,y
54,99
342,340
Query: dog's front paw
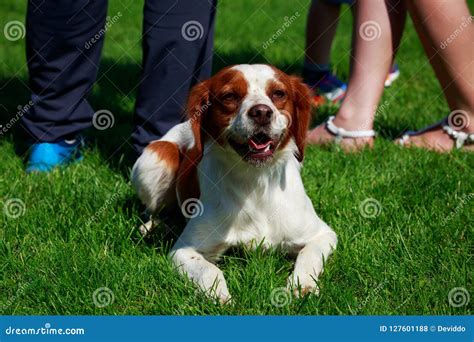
x,y
146,229
201,272
302,284
221,293
212,281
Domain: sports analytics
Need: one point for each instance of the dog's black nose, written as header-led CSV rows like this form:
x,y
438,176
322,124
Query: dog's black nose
x,y
261,114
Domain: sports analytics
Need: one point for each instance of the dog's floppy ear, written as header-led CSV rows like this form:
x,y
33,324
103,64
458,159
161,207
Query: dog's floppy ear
x,y
198,104
301,114
196,110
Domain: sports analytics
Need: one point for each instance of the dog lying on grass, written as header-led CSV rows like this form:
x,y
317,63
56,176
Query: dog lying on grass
x,y
237,161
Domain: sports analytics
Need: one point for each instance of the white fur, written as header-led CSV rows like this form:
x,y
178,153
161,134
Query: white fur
x,y
249,205
243,204
181,134
257,77
151,176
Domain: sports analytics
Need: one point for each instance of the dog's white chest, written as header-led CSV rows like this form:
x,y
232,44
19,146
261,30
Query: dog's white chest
x,y
270,208
264,219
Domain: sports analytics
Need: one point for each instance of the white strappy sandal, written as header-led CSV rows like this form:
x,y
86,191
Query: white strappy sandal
x,y
341,133
460,138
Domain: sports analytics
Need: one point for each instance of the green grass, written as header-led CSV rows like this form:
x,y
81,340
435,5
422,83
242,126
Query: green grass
x,y
403,261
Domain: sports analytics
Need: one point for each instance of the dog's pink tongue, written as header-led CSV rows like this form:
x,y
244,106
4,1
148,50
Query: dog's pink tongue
x,y
257,145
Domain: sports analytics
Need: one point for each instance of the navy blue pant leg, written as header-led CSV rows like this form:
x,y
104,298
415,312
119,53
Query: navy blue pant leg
x,y
177,53
63,65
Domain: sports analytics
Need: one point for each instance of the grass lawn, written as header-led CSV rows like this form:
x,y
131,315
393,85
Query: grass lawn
x,y
76,228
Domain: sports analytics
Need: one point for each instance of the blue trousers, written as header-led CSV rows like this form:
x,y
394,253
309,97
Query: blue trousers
x,y
64,44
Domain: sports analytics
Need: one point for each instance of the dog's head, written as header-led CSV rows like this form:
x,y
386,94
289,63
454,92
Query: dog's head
x,y
252,110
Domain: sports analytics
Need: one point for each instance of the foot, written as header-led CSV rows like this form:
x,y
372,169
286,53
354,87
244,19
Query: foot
x,y
320,135
326,86
434,138
46,156
393,74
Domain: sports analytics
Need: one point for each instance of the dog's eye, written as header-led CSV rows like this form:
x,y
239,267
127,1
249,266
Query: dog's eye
x,y
278,94
230,97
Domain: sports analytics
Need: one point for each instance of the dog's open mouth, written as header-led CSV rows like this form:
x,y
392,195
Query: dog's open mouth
x,y
259,148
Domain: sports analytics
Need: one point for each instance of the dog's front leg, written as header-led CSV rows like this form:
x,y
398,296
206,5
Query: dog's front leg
x,y
309,262
202,272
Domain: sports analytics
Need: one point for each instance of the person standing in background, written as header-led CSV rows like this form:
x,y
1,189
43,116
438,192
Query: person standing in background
x,y
63,61
451,59
323,19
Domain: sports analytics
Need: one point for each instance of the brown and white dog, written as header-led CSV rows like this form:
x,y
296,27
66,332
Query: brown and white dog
x,y
240,154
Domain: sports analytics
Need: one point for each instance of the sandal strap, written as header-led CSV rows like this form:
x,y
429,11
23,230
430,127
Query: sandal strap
x,y
341,133
460,138
405,137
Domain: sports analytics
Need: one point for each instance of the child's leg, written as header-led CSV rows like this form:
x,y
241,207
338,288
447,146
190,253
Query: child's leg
x,y
323,18
370,63
321,27
397,13
435,21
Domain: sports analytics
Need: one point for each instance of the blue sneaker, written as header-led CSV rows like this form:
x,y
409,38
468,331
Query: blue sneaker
x,y
331,87
46,156
326,86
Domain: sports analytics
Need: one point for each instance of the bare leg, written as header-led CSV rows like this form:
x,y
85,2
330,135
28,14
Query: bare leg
x,y
397,12
371,60
435,21
320,31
